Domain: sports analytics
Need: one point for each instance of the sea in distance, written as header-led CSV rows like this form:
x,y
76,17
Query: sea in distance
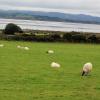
x,y
51,25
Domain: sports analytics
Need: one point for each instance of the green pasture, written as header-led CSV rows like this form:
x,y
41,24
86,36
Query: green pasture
x,y
27,74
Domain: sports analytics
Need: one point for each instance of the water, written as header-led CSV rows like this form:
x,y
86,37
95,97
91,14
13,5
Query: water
x,y
48,25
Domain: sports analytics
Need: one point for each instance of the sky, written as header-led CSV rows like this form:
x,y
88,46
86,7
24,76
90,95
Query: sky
x,y
91,7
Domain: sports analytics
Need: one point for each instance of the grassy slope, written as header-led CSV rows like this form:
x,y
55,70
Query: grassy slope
x,y
27,75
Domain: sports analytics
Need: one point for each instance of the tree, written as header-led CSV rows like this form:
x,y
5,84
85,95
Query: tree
x,y
12,28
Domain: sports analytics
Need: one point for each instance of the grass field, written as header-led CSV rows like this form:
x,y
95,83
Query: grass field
x,y
27,75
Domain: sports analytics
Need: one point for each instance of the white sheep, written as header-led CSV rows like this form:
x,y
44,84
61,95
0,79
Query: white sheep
x,y
1,45
87,68
54,64
22,47
26,48
18,46
50,51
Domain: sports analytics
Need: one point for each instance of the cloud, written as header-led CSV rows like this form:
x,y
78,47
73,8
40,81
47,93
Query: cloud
x,y
70,4
88,6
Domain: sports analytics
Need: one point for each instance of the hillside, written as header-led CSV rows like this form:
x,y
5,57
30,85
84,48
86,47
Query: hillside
x,y
49,16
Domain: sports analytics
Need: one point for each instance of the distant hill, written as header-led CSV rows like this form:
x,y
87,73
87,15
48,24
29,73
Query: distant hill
x,y
49,16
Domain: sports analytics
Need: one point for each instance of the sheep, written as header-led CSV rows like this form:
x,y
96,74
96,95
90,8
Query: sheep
x,y
86,68
50,51
18,46
1,45
21,47
54,64
26,48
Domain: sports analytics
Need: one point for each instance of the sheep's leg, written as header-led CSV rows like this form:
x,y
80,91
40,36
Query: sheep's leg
x,y
83,73
86,73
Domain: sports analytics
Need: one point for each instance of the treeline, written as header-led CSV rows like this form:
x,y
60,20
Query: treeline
x,y
14,32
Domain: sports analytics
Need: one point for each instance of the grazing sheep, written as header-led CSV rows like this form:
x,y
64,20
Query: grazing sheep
x,y
50,51
54,64
86,68
18,46
26,48
1,45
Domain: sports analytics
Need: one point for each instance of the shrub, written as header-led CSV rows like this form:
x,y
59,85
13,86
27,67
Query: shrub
x,y
93,39
55,37
78,38
11,28
73,32
67,37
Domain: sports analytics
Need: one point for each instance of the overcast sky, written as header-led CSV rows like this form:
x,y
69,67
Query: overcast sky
x,y
70,6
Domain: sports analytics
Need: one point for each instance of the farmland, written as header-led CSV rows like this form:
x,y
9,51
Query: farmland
x,y
27,75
